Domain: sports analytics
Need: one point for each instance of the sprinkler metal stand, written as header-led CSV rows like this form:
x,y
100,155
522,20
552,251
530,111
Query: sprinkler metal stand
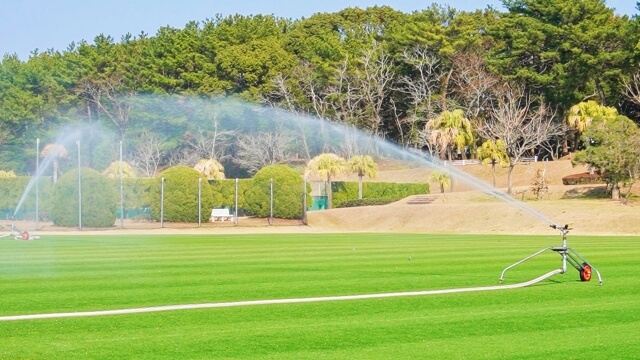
x,y
20,235
569,256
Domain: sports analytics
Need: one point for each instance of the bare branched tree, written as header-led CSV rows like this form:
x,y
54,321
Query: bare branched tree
x,y
343,96
425,83
254,151
402,122
183,156
110,98
632,88
375,80
148,154
316,93
211,144
423,142
473,84
521,123
300,92
283,97
421,87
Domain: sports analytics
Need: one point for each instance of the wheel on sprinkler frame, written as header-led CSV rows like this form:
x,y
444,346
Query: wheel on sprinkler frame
x,y
25,235
585,273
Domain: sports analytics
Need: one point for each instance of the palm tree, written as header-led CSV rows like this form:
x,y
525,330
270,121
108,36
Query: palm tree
x,y
57,152
113,170
450,130
211,169
582,114
362,165
441,178
326,166
494,152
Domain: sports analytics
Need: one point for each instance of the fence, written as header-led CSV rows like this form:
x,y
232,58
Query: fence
x,y
476,162
144,207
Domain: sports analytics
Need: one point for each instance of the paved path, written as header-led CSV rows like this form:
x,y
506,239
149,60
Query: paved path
x,y
276,301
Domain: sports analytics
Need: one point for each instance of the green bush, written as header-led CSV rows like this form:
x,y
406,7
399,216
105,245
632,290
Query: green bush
x,y
365,202
180,195
287,192
346,191
224,193
12,190
99,200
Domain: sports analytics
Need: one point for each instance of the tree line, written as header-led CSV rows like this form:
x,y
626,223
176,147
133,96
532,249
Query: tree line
x,y
489,84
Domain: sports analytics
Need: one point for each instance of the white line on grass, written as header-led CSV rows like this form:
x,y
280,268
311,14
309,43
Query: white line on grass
x,y
276,301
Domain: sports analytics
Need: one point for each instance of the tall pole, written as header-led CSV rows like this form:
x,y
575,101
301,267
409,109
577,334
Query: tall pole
x,y
199,202
79,189
37,179
271,202
304,201
235,213
121,190
162,203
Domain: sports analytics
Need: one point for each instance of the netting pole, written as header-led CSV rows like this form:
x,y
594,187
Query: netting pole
x,y
304,201
121,190
235,213
162,202
271,202
37,179
199,202
79,189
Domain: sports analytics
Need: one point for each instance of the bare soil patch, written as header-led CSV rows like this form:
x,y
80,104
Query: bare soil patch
x,y
467,211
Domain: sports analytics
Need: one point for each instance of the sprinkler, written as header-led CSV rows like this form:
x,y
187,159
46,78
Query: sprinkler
x,y
569,256
19,235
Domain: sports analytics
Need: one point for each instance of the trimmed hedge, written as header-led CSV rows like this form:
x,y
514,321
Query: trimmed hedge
x,y
12,190
224,192
365,202
346,191
180,195
287,192
583,179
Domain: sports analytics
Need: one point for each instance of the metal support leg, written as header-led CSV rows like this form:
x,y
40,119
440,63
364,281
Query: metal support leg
x,y
568,256
521,261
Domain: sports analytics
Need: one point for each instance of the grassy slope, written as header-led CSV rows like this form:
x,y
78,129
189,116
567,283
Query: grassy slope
x,y
560,318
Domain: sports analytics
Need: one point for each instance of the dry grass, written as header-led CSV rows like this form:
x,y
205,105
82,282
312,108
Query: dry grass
x,y
469,211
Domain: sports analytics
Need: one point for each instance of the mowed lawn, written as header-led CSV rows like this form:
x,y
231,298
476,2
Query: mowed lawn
x,y
560,318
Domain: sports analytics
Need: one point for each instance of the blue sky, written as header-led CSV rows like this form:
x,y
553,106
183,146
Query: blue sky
x,y
26,25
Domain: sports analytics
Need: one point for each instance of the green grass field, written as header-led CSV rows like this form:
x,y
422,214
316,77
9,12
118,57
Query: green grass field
x,y
561,318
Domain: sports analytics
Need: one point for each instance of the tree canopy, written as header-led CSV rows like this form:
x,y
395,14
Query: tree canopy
x,y
385,72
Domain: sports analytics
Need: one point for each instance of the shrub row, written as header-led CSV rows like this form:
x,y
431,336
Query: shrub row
x,y
582,179
365,202
101,196
346,191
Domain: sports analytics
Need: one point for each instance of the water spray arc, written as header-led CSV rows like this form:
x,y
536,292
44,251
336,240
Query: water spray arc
x,y
331,137
66,138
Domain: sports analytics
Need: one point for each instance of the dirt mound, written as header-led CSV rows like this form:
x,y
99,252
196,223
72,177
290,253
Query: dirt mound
x,y
477,213
466,210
